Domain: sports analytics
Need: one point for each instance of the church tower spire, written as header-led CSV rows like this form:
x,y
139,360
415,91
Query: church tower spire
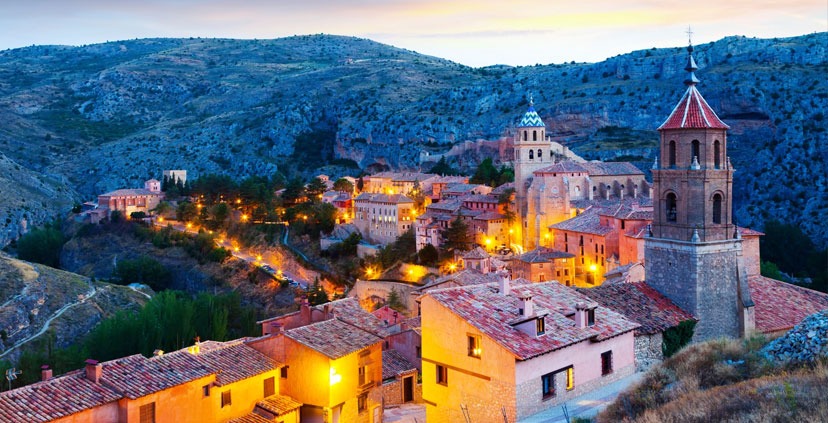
x,y
691,254
532,151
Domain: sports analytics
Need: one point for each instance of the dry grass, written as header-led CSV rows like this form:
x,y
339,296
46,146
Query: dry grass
x,y
724,381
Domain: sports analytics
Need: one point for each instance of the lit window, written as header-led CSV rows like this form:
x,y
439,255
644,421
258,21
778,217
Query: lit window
x,y
606,363
474,346
146,413
570,379
548,385
442,375
540,325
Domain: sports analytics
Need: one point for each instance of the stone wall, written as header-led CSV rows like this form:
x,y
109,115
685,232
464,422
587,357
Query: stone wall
x,y
530,397
392,392
648,351
702,279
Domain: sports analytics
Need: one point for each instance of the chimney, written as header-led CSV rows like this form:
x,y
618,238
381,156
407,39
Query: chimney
x,y
505,285
580,315
45,372
94,370
528,308
305,312
277,328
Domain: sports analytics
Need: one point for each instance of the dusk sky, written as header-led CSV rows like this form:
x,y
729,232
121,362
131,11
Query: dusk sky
x,y
472,32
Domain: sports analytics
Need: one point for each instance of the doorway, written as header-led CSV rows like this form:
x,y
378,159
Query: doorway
x,y
408,389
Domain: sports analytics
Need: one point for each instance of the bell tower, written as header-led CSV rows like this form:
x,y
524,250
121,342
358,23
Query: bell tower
x,y
693,252
531,152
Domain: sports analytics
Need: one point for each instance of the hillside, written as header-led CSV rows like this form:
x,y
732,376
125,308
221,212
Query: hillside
x,y
104,116
39,303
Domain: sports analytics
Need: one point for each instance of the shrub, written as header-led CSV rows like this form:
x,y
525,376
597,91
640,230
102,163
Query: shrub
x,y
42,245
677,337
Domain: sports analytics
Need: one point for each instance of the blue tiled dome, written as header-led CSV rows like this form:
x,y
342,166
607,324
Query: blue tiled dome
x,y
531,119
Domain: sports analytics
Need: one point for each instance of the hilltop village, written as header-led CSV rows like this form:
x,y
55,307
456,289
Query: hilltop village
x,y
567,280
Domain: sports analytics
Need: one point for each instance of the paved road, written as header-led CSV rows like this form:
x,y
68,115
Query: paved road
x,y
238,253
587,405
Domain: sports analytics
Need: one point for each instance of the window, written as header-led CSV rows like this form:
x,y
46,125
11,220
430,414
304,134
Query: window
x,y
531,154
226,399
419,351
606,363
474,346
205,390
146,413
695,152
591,317
362,402
671,207
364,375
570,379
717,208
540,153
269,387
525,135
717,155
540,325
672,156
548,385
535,136
442,375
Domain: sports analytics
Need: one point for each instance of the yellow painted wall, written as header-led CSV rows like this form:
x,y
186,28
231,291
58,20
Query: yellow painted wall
x,y
104,413
181,403
445,342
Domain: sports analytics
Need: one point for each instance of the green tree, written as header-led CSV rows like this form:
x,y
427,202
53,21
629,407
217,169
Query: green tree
x,y
162,208
144,270
505,200
220,212
395,302
293,190
428,255
315,188
343,185
317,295
457,236
360,184
486,174
677,337
42,245
443,168
186,211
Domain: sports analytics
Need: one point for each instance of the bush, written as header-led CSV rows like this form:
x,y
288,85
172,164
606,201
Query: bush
x,y
144,270
42,245
677,337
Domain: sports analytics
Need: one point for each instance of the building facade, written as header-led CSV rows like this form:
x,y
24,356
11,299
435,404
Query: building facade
x,y
381,218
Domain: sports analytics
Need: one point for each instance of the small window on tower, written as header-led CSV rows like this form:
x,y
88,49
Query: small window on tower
x,y
672,155
531,154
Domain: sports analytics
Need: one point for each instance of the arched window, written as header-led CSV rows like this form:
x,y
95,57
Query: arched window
x,y
534,135
671,208
717,155
531,155
717,208
525,135
540,153
672,155
695,152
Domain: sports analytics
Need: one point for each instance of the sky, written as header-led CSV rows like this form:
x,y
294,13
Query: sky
x,y
471,32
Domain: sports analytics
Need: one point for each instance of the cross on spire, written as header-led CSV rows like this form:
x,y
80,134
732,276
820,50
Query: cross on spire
x,y
689,35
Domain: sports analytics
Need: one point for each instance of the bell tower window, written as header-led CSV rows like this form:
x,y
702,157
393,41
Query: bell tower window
x,y
717,209
672,154
717,155
671,207
534,135
695,151
531,154
525,135
540,153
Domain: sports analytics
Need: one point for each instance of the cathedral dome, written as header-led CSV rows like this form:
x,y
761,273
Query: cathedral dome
x,y
531,118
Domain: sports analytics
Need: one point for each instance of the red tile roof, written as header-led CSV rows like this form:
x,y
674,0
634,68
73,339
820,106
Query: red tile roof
x,y
136,375
563,167
236,362
750,232
348,310
394,364
640,303
629,211
333,338
53,399
491,312
279,404
543,255
587,222
692,111
780,305
463,277
251,418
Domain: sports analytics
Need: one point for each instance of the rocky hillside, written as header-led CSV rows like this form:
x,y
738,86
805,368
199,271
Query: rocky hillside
x,y
110,115
38,302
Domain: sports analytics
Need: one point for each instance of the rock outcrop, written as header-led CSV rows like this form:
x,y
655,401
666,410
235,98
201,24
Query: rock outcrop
x,y
806,342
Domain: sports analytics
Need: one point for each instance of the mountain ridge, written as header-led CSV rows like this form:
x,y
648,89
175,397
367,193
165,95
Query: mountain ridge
x,y
109,115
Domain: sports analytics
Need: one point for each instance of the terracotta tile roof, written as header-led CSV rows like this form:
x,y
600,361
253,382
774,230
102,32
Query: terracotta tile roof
x,y
460,188
413,322
640,303
502,188
53,399
446,205
463,277
349,311
394,364
780,305
279,404
476,254
611,168
543,255
251,418
236,362
130,192
750,232
383,198
136,375
479,198
628,211
587,222
563,167
485,308
333,338
692,111
489,216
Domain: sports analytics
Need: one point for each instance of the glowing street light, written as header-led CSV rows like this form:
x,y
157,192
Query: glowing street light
x,y
189,225
244,217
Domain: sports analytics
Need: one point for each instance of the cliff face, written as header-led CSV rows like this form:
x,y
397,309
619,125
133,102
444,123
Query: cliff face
x,y
110,115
